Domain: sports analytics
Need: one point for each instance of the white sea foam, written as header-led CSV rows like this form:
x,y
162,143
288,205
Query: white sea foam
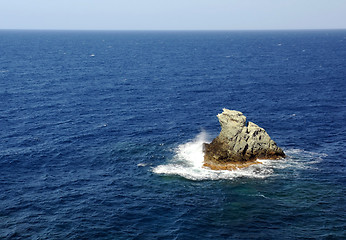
x,y
188,163
142,164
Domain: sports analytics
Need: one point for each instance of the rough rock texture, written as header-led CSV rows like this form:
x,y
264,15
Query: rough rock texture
x,y
239,143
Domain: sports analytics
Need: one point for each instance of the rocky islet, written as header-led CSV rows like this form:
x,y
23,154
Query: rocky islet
x,y
239,144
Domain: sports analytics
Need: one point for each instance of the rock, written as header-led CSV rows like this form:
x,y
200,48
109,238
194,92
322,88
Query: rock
x,y
239,144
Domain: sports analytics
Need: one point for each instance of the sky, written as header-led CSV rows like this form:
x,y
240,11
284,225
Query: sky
x,y
172,14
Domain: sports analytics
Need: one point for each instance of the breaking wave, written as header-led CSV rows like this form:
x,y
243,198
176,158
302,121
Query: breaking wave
x,y
188,163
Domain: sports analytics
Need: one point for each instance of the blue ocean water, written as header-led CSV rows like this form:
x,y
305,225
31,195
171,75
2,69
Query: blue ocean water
x,y
101,133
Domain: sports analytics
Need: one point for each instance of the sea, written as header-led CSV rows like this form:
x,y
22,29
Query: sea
x,y
101,134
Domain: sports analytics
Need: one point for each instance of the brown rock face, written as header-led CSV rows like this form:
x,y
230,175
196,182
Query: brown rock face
x,y
239,144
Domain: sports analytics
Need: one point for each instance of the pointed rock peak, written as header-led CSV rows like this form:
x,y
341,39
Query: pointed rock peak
x,y
251,126
231,117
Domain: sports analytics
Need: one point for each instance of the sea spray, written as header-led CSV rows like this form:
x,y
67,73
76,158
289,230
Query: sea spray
x,y
192,152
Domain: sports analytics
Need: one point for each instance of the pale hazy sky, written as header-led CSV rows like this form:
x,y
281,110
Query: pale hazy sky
x,y
173,14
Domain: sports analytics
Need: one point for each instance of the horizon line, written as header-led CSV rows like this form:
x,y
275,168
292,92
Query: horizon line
x,y
172,30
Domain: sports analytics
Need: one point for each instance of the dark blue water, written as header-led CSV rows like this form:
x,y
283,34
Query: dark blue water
x,y
100,134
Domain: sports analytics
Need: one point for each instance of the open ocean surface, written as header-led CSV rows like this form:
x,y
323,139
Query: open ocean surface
x,y
101,133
